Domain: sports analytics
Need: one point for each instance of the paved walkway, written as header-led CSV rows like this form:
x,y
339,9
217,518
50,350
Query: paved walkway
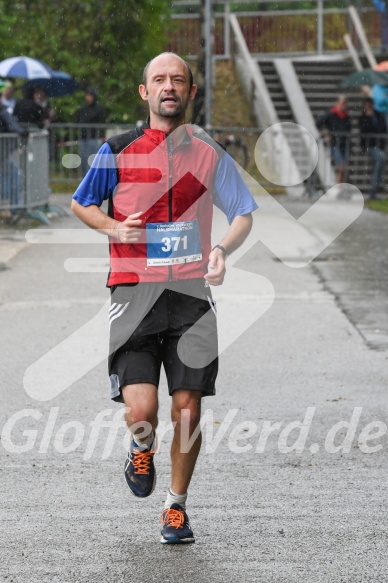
x,y
271,502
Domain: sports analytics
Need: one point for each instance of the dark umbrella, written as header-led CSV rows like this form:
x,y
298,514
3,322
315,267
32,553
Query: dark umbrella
x,y
365,77
58,85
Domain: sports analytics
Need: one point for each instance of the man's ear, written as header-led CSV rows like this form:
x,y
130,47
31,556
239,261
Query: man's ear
x,y
143,92
193,91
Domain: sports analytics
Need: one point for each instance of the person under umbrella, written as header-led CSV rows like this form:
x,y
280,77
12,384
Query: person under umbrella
x,y
28,111
48,112
8,98
380,100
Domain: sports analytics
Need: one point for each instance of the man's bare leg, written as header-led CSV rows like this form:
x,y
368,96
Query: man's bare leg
x,y
141,401
340,174
185,414
183,462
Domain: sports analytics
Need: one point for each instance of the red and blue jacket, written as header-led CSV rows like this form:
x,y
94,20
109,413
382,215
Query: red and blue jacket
x,y
174,180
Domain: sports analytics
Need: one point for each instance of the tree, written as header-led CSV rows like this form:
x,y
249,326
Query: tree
x,y
103,43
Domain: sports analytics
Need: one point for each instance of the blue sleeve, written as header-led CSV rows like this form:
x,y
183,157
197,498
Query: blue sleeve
x,y
231,194
380,97
100,180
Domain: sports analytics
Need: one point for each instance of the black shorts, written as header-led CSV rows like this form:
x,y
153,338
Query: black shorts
x,y
172,324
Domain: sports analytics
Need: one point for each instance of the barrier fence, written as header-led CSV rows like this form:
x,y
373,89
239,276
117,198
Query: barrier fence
x,y
67,150
27,166
24,171
11,170
71,145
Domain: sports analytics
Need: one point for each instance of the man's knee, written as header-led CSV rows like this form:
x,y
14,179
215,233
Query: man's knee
x,y
186,407
141,404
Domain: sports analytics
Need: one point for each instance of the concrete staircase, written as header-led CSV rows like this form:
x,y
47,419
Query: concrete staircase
x,y
276,91
319,79
320,82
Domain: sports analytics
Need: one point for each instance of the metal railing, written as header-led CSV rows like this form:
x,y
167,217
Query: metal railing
x,y
241,144
24,171
11,171
318,30
71,145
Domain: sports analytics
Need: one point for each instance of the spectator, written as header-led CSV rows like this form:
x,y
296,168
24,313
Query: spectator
x,y
380,100
40,98
91,113
8,98
28,111
373,122
338,123
9,153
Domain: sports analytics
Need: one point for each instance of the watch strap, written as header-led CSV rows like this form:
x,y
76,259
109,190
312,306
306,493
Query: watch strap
x,y
224,251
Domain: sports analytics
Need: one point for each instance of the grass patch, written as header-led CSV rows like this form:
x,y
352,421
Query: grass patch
x,y
64,186
378,205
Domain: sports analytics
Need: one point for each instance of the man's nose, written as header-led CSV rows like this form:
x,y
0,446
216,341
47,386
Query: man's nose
x,y
169,86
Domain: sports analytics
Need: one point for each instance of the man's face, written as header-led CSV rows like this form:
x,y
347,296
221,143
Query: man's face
x,y
8,92
341,104
39,96
89,99
167,89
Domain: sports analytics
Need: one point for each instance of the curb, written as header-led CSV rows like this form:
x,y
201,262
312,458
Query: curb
x,y
9,248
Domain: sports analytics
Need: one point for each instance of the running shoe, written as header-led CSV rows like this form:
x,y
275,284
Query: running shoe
x,y
176,528
139,470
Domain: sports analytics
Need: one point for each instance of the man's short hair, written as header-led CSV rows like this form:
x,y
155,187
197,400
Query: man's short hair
x,y
191,77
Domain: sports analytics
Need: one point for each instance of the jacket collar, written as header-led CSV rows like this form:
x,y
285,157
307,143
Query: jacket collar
x,y
182,135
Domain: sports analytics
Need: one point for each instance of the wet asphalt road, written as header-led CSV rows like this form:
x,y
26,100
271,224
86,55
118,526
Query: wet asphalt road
x,y
260,514
357,273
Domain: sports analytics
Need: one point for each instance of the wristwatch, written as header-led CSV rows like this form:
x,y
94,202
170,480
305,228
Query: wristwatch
x,y
224,251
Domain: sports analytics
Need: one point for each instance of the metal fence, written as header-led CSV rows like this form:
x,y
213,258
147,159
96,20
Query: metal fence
x,y
24,171
68,152
293,31
11,159
25,168
240,143
73,145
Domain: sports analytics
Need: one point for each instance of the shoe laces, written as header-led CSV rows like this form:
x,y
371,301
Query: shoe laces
x,y
141,461
172,517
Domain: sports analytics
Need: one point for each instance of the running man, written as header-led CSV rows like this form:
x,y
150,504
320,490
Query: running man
x,y
161,181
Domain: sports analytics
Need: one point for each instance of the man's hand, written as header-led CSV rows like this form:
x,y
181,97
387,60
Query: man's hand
x,y
216,267
129,231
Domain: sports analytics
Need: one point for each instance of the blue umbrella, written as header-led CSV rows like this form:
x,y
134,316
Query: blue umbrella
x,y
24,67
57,85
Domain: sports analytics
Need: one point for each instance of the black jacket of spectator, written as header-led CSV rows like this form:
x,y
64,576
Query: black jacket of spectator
x,y
8,123
93,114
372,124
29,112
339,126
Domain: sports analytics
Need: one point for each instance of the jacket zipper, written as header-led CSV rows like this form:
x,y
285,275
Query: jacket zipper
x,y
170,147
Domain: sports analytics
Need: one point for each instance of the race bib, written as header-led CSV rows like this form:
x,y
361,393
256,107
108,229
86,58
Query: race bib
x,y
172,243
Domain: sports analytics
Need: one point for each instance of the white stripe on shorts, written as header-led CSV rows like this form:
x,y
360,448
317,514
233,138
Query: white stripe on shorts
x,y
119,313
